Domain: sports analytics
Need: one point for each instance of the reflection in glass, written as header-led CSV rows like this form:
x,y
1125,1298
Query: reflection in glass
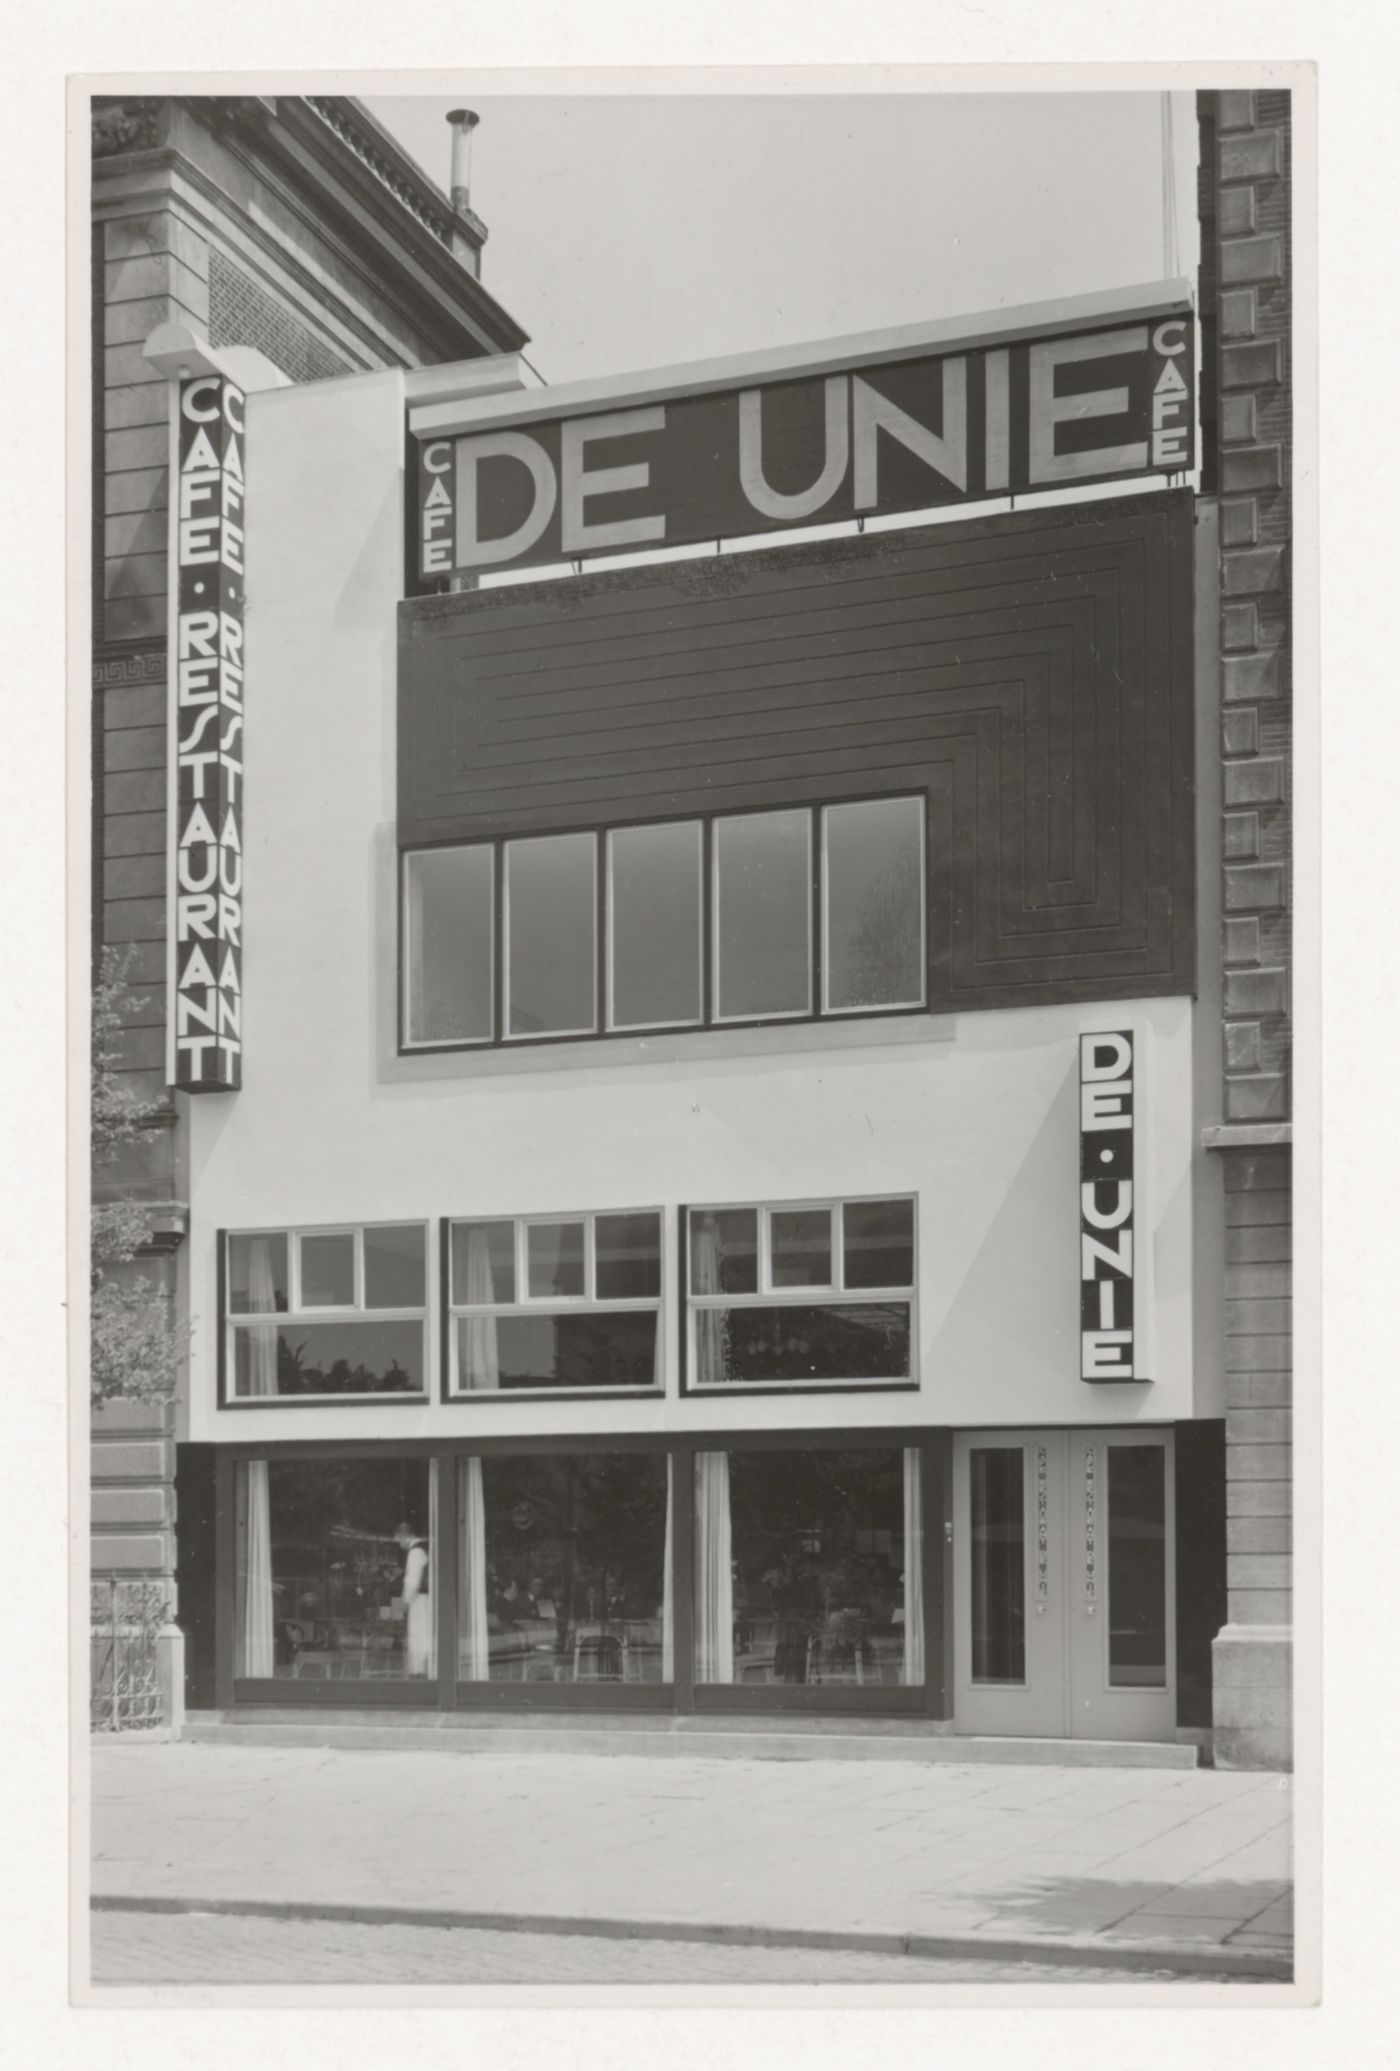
x,y
654,925
798,1342
550,905
395,1267
1137,1566
802,1563
996,1477
576,1348
564,1569
328,1588
878,1242
554,1259
328,1272
801,1247
449,894
763,924
874,904
353,1357
627,1257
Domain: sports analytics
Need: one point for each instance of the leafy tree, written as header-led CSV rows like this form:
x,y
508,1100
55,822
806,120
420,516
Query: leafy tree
x,y
137,1342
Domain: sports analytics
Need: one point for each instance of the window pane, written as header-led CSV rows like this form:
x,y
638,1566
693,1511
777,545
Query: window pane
x,y
797,1343
1137,1567
627,1256
878,1238
563,1570
550,935
329,1589
801,1244
580,1348
654,881
483,1262
801,1566
554,1259
449,951
724,1251
257,1275
998,1564
875,904
394,1267
356,1357
763,924
328,1272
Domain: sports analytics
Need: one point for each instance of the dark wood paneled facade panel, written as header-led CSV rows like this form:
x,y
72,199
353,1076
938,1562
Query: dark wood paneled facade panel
x,y
1032,672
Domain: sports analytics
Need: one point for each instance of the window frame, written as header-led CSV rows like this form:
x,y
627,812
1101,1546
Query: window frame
x,y
766,1296
708,1021
296,1313
589,1303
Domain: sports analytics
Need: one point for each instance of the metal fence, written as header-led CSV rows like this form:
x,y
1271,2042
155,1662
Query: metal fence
x,y
127,1618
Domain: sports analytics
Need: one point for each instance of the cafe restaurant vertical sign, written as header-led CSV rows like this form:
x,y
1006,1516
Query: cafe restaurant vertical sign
x,y
673,461
206,920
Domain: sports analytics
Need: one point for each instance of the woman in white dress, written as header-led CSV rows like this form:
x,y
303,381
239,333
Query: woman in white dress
x,y
418,1637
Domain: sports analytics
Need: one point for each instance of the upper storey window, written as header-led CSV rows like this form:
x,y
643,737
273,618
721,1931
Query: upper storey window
x,y
328,1313
745,917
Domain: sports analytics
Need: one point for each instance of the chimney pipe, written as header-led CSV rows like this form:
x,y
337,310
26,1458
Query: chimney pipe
x,y
463,121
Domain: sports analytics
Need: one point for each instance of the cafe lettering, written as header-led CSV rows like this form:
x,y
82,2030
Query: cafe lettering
x,y
1101,405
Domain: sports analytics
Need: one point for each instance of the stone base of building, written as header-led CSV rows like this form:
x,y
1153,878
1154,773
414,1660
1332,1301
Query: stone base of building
x,y
1253,1697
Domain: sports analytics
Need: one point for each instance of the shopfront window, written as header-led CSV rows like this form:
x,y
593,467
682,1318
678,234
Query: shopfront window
x,y
555,1303
326,1313
808,1568
335,1570
564,1574
801,1295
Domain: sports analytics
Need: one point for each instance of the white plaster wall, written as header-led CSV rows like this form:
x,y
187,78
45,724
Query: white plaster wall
x,y
977,1115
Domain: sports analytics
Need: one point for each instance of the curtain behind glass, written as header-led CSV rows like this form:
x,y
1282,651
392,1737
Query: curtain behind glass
x,y
714,1636
262,1337
480,1357
913,1570
711,1331
473,1642
256,1636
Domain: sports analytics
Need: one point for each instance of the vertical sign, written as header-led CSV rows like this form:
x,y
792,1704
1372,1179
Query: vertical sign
x,y
1107,1332
206,916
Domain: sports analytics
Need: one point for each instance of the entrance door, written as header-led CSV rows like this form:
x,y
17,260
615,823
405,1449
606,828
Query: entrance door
x,y
1064,1613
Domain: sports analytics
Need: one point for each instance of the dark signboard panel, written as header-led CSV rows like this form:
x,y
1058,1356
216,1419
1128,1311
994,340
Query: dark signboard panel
x,y
1088,406
1031,673
207,717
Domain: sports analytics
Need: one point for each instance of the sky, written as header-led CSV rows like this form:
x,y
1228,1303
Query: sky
x,y
640,232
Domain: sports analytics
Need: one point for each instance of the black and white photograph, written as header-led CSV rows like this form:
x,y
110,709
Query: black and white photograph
x,y
691,878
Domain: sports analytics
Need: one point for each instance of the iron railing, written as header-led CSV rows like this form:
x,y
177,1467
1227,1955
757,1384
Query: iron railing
x,y
127,1619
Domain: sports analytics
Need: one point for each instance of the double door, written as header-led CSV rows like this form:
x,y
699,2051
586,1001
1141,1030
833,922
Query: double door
x,y
1064,1558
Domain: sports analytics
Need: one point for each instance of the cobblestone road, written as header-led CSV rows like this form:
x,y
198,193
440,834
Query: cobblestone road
x,y
205,1948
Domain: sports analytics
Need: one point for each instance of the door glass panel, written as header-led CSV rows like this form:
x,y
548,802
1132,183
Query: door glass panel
x,y
1137,1567
996,1476
654,890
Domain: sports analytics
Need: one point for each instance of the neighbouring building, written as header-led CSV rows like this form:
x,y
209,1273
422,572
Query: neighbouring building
x,y
292,239
732,1085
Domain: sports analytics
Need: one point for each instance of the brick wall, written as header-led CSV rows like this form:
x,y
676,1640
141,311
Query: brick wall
x,y
243,313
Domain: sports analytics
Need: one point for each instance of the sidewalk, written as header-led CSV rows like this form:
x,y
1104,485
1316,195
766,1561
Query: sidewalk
x,y
1147,1869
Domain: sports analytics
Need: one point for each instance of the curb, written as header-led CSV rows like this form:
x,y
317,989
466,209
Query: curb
x,y
1181,1959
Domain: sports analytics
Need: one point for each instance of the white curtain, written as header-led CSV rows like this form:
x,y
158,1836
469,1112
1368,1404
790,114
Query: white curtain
x,y
481,1366
714,1638
668,1621
913,1570
473,1649
258,1657
432,1591
711,1325
257,1573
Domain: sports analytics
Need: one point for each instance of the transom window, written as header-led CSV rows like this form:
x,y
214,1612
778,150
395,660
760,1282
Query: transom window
x,y
326,1312
555,1303
806,1294
765,916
